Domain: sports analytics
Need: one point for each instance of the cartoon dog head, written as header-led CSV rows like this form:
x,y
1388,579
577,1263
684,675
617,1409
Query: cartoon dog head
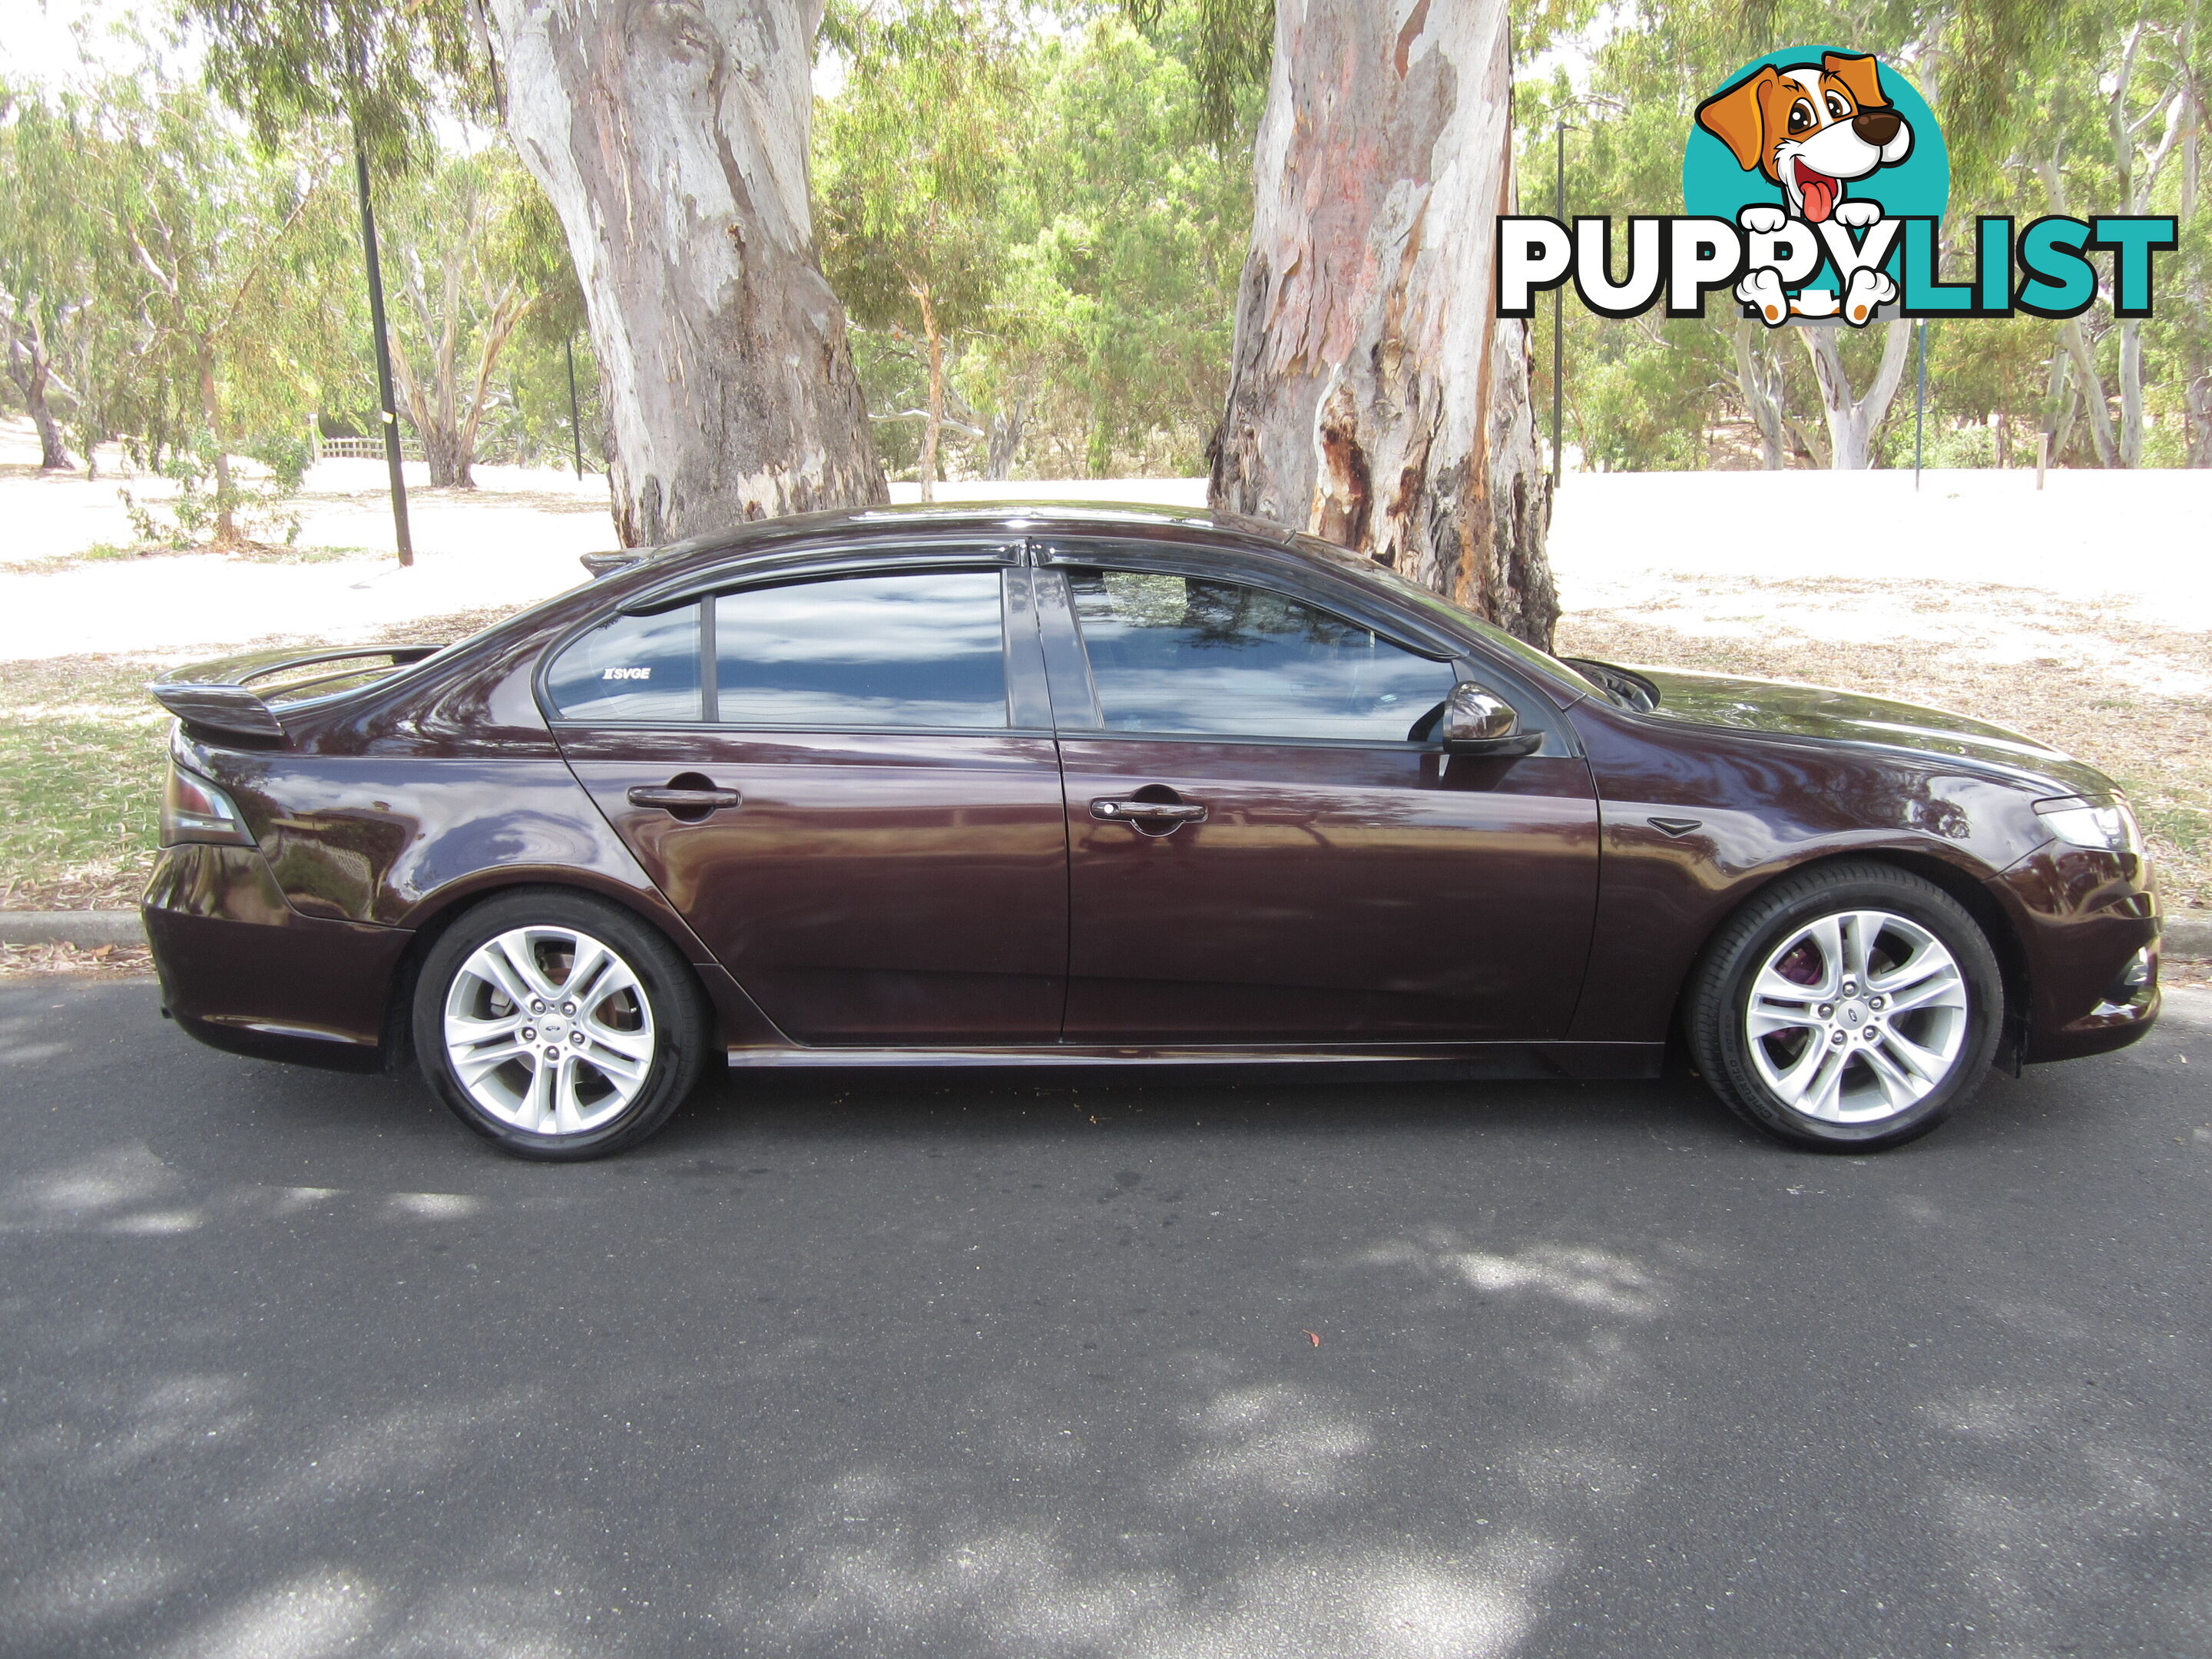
x,y
1811,128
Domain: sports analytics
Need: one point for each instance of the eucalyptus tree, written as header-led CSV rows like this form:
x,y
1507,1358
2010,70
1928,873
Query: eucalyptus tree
x,y
460,235
671,137
915,153
46,274
1374,399
222,261
1125,217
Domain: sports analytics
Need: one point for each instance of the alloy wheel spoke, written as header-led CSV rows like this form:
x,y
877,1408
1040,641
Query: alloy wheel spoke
x,y
1940,986
568,1110
593,961
1827,936
474,1063
1898,1089
1926,1064
492,966
1793,1084
1822,1097
536,1112
1859,930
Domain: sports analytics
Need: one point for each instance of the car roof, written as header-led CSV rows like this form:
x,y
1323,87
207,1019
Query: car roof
x,y
1016,518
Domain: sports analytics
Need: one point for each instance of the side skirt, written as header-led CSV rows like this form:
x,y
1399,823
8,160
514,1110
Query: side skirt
x,y
1478,1060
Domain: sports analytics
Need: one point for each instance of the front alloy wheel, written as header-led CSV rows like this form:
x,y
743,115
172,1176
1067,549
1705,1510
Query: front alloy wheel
x,y
1850,1007
557,1026
1856,1016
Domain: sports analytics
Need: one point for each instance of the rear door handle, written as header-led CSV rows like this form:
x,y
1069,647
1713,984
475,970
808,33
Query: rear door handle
x,y
1114,811
685,801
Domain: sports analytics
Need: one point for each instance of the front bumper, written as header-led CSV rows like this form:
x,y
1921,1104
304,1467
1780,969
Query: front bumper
x,y
242,970
2082,915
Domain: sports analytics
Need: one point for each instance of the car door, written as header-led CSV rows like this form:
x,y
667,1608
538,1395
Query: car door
x,y
1260,849
845,779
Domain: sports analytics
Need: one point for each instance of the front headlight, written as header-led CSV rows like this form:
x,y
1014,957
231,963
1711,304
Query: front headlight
x,y
2109,827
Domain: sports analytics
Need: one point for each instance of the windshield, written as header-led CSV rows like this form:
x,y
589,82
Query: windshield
x,y
1542,663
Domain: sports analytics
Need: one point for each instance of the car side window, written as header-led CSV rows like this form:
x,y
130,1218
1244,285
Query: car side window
x,y
631,668
1189,654
921,648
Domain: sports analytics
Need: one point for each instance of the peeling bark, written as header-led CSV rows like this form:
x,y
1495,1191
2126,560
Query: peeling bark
x,y
1374,399
671,137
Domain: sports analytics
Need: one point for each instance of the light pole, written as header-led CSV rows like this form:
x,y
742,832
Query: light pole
x,y
1559,296
387,416
576,425
1919,398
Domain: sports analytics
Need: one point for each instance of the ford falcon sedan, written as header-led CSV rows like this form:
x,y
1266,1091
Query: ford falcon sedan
x,y
1052,786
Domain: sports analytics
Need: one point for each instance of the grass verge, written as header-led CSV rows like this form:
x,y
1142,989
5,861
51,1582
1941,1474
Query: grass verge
x,y
82,749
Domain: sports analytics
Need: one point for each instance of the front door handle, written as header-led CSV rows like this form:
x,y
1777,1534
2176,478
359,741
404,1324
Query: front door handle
x,y
685,801
1117,810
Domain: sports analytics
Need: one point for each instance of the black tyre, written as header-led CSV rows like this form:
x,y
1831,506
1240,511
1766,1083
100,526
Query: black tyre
x,y
558,1026
1849,1008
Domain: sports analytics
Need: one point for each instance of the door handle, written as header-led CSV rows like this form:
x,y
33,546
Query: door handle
x,y
685,801
1114,810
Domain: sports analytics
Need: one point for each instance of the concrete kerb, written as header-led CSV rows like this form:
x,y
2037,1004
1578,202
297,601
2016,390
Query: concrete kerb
x,y
2187,937
84,928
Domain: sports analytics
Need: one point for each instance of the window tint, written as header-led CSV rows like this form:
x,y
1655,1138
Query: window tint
x,y
1180,654
632,668
922,649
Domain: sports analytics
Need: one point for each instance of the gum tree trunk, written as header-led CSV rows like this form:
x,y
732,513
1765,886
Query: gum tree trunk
x,y
1374,400
1853,421
671,137
32,370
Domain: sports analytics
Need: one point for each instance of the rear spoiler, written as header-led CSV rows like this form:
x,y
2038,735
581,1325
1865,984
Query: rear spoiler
x,y
215,696
606,564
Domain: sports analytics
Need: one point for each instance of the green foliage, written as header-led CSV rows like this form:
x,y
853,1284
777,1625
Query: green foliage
x,y
209,498
379,66
1089,297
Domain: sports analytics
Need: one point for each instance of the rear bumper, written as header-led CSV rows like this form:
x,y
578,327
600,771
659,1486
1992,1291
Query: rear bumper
x,y
242,970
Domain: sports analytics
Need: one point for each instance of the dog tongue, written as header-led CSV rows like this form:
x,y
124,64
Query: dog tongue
x,y
1821,193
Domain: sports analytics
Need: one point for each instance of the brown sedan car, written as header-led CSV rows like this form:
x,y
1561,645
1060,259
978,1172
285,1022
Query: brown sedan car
x,y
1051,786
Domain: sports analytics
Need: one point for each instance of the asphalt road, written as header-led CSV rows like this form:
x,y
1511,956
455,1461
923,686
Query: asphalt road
x,y
880,1365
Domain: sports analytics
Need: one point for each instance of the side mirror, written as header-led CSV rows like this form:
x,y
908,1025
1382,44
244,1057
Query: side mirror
x,y
1477,723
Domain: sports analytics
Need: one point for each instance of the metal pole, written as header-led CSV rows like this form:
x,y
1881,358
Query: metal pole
x,y
1919,399
576,425
386,415
1558,314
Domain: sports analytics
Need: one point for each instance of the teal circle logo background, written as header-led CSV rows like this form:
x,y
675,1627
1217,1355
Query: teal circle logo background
x,y
1714,186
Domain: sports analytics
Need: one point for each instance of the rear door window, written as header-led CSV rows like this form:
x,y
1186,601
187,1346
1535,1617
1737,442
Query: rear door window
x,y
923,648
631,668
1174,653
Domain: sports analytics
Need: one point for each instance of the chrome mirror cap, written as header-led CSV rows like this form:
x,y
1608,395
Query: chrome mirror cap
x,y
1478,722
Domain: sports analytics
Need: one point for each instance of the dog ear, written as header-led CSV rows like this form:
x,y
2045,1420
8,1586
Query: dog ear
x,y
1861,76
1734,116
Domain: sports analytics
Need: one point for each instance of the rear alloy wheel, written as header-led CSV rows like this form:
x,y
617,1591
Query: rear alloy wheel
x,y
1850,1008
557,1026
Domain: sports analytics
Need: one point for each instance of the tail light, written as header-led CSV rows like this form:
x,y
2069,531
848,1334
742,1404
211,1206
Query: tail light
x,y
192,809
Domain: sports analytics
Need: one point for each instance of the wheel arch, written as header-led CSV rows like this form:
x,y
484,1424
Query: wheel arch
x,y
439,912
1972,896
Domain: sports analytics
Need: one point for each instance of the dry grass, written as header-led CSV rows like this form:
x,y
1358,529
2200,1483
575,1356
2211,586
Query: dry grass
x,y
2088,691
103,962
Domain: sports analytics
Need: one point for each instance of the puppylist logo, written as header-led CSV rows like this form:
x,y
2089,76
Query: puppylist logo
x,y
1814,183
